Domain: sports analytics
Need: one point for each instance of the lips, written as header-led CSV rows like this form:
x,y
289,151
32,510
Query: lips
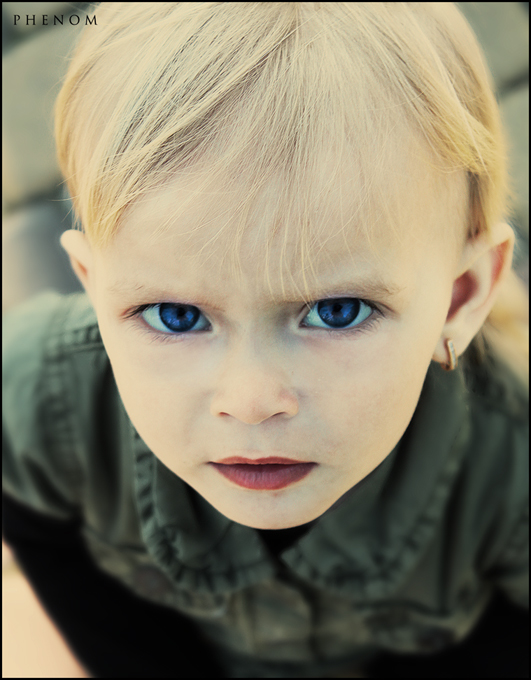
x,y
236,460
263,473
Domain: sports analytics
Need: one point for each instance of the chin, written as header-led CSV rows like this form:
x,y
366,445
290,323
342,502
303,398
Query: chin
x,y
270,520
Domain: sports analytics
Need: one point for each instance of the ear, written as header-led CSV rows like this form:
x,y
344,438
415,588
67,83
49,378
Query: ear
x,y
483,266
81,257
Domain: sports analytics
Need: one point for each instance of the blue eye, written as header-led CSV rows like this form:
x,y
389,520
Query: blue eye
x,y
338,313
167,317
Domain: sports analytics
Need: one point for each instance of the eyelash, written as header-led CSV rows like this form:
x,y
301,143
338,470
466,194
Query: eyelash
x,y
368,324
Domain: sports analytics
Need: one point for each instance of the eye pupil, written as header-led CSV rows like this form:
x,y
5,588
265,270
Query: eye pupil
x,y
338,313
178,317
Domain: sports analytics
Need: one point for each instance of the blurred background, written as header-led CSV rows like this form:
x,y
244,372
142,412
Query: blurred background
x,y
36,209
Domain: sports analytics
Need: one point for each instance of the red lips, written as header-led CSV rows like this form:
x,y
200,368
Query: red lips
x,y
272,460
263,473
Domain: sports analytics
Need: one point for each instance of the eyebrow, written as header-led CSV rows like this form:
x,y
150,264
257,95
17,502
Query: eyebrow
x,y
363,288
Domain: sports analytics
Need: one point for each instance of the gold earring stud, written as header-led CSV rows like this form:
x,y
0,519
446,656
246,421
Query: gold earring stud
x,y
453,359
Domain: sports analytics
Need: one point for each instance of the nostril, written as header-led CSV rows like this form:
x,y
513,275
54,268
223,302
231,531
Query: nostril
x,y
255,413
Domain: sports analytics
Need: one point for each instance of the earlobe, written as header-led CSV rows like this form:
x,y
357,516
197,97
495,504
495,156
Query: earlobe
x,y
475,289
78,249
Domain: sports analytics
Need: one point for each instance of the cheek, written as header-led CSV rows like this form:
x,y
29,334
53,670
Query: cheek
x,y
371,396
158,385
361,396
163,409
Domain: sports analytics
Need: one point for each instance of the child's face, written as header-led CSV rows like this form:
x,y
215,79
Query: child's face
x,y
249,379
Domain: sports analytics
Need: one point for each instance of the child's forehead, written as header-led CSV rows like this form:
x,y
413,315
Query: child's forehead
x,y
336,201
188,231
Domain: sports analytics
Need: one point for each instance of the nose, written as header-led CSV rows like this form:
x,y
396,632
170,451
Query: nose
x,y
253,387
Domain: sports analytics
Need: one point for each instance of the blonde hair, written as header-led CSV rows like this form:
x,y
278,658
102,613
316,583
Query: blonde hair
x,y
266,90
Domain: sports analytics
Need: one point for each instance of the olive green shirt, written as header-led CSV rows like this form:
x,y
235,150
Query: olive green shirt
x,y
406,561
